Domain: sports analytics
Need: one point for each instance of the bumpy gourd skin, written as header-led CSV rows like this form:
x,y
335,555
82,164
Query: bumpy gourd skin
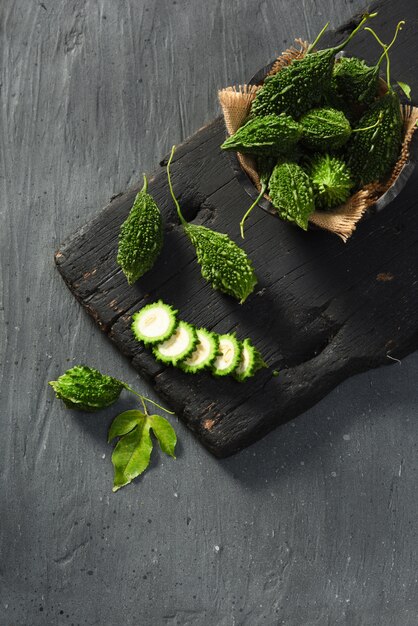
x,y
355,81
297,87
224,264
372,153
141,237
291,193
331,181
86,389
325,129
269,135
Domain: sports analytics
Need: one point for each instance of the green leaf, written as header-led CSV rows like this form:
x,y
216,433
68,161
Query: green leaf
x,y
165,434
124,423
132,454
405,88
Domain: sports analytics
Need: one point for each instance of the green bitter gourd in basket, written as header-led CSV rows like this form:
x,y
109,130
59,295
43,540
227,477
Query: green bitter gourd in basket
x,y
223,264
331,180
291,193
299,86
325,129
371,154
141,236
268,135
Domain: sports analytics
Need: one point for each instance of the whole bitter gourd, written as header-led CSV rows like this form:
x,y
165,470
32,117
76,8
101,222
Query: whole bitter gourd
x,y
355,81
268,135
141,236
372,153
325,129
291,193
331,180
223,264
86,389
297,87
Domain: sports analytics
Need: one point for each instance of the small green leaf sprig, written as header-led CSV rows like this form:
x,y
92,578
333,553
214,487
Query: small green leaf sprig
x,y
84,388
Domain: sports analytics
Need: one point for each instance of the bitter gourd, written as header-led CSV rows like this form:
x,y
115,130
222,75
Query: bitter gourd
x,y
141,236
229,356
297,87
355,81
177,347
331,180
269,135
204,353
325,129
251,361
86,389
291,193
154,323
372,153
223,264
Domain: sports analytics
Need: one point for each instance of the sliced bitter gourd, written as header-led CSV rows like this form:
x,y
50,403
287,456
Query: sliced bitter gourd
x,y
177,347
228,357
204,353
251,361
154,323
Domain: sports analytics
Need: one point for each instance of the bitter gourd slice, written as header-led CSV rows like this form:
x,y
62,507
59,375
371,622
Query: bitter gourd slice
x,y
177,347
223,264
251,361
297,87
331,180
325,129
291,193
154,323
204,353
229,355
141,236
268,135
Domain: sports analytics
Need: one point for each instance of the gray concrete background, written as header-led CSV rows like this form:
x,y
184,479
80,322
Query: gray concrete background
x,y
315,525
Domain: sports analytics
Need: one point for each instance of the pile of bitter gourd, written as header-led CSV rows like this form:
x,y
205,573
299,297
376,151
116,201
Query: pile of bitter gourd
x,y
320,130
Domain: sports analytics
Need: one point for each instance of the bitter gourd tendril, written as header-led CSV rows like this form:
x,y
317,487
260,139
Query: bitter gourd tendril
x,y
386,48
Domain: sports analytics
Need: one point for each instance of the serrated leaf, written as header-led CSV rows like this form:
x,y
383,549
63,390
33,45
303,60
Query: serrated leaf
x,y
165,434
124,423
405,88
132,454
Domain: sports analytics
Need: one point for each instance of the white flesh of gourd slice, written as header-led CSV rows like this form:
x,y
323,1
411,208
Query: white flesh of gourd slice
x,y
178,346
154,323
204,354
229,355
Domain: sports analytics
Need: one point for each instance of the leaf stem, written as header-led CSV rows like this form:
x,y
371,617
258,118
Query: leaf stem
x,y
145,399
366,17
359,130
179,213
256,201
386,48
145,187
317,38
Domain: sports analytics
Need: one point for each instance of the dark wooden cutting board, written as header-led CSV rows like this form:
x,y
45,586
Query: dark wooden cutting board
x,y
322,311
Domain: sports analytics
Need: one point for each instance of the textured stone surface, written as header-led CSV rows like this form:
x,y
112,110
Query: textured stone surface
x,y
314,525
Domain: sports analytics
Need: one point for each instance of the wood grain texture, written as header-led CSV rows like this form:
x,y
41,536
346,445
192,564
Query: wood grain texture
x,y
322,310
316,524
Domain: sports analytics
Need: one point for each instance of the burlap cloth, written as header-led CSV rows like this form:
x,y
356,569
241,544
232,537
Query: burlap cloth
x,y
236,103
